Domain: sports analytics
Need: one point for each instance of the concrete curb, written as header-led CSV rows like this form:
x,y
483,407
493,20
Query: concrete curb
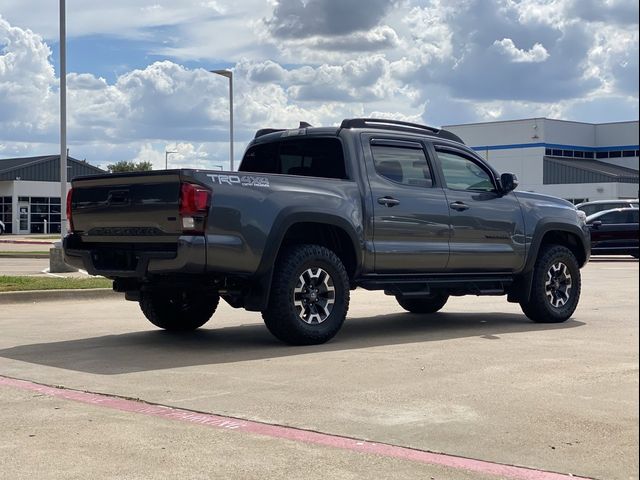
x,y
24,255
27,242
33,296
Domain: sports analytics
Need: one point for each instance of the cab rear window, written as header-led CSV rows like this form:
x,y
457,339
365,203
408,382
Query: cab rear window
x,y
312,157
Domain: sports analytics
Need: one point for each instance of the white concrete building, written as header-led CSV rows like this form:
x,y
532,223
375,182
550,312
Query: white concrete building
x,y
30,192
572,160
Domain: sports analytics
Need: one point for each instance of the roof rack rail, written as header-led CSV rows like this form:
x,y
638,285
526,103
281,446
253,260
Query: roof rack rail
x,y
399,125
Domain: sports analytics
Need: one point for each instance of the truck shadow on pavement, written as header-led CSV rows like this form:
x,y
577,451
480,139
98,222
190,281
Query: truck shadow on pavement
x,y
157,349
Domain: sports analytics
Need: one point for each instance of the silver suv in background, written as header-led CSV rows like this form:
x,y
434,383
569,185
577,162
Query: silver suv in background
x,y
589,208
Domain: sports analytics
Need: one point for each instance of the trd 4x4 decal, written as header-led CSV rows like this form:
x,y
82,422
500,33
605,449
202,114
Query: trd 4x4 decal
x,y
242,180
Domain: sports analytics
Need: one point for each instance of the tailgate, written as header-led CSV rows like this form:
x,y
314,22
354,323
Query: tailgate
x,y
142,207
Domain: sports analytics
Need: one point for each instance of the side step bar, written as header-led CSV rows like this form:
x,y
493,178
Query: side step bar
x,y
453,284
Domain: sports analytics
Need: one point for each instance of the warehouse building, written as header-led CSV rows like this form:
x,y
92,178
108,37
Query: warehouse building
x,y
572,160
30,192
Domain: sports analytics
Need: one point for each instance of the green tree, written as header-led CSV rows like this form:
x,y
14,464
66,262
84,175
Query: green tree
x,y
125,166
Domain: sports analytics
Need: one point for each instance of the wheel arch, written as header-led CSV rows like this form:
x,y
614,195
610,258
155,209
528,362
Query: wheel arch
x,y
330,231
560,234
550,233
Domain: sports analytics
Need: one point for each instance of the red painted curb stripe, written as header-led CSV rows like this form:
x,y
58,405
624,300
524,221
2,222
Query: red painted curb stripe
x,y
290,433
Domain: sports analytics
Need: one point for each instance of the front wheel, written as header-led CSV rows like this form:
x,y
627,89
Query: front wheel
x,y
180,310
555,289
427,304
309,296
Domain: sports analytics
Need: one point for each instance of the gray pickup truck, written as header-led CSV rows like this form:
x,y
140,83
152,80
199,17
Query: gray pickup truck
x,y
313,213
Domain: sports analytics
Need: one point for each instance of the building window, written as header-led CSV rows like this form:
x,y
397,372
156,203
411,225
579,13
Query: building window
x,y
602,154
578,154
557,153
548,151
567,153
628,153
617,154
45,215
588,155
6,215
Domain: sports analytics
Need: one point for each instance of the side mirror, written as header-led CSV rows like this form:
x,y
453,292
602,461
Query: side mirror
x,y
596,224
508,182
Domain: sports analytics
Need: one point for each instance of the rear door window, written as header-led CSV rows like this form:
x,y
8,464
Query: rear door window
x,y
613,218
402,164
591,208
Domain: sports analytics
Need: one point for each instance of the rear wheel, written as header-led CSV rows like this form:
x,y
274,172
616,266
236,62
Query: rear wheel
x,y
430,304
555,289
179,310
309,296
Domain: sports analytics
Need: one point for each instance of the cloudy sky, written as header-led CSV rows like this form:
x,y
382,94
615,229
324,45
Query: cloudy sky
x,y
139,84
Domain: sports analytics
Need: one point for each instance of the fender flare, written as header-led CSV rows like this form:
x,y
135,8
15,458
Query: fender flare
x,y
257,298
521,288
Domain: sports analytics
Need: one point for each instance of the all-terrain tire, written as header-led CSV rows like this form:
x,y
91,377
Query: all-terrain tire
x,y
309,296
555,288
178,311
430,304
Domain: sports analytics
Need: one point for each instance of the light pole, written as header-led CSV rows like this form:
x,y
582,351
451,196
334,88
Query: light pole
x,y
56,256
63,119
166,157
229,74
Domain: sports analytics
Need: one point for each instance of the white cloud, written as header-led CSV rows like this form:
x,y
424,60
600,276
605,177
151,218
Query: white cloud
x,y
378,38
614,58
535,54
295,19
128,18
26,82
442,61
180,155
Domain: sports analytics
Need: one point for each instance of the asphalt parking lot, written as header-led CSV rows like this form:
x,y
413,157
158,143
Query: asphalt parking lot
x,y
477,380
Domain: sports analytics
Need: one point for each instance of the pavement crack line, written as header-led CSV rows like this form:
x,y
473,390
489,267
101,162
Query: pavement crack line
x,y
222,422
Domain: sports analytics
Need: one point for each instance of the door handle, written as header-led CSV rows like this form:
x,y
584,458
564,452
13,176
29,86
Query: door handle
x,y
388,201
459,206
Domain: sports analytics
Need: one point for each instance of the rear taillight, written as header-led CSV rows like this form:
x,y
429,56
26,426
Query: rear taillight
x,y
69,217
194,206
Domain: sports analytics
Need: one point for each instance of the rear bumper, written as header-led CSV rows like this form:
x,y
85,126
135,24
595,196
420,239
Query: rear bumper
x,y
137,260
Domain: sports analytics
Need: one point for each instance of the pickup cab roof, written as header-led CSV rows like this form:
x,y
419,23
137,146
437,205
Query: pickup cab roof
x,y
270,134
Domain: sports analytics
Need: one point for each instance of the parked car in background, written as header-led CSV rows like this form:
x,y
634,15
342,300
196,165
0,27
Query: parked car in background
x,y
589,208
614,232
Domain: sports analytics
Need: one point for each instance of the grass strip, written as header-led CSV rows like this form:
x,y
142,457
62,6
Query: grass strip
x,y
20,283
